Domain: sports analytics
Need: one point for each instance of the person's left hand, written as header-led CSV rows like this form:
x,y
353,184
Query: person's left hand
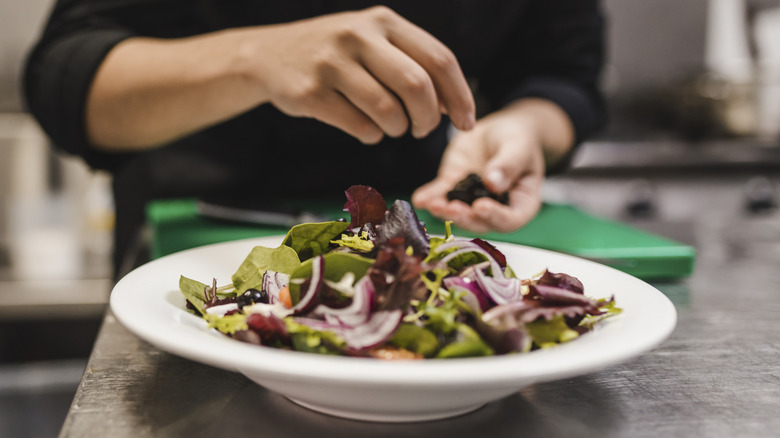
x,y
505,149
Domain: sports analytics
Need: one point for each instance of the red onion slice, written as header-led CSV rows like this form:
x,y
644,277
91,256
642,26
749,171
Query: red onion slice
x,y
358,312
273,282
308,298
376,330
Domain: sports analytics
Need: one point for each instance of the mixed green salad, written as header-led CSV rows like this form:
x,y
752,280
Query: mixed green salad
x,y
380,286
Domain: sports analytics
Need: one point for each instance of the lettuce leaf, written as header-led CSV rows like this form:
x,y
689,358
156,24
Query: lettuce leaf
x,y
401,222
193,292
365,206
467,343
357,242
250,274
313,239
415,338
227,324
307,339
549,333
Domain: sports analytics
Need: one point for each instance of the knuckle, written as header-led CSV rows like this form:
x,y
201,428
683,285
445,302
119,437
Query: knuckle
x,y
348,33
382,13
306,90
387,107
443,60
416,82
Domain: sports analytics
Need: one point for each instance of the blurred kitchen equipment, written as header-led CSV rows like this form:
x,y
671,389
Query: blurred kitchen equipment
x,y
737,93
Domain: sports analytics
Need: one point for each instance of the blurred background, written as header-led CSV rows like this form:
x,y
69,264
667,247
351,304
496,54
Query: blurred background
x,y
694,98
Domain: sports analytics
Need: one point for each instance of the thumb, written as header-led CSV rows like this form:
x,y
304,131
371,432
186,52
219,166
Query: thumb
x,y
505,167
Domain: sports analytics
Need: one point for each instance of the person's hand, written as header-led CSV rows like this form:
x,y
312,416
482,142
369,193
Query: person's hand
x,y
506,149
370,73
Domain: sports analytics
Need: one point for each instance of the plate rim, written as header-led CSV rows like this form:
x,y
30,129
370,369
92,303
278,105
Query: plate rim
x,y
279,364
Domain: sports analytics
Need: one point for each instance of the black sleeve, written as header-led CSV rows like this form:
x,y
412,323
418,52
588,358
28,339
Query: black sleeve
x,y
62,65
557,54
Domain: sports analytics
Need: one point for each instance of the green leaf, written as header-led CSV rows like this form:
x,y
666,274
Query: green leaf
x,y
228,324
457,263
250,274
434,284
550,333
359,243
442,317
336,265
608,306
193,292
468,343
307,339
415,338
311,240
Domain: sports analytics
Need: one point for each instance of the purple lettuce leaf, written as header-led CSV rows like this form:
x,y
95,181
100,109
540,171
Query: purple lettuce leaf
x,y
401,221
396,277
563,281
365,206
270,329
497,255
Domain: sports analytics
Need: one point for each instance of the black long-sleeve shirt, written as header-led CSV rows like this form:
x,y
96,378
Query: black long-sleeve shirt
x,y
509,49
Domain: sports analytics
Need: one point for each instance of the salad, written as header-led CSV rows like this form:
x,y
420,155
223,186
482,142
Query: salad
x,y
379,286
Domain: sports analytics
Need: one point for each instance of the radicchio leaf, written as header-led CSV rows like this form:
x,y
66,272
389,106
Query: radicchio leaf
x,y
270,328
365,206
401,221
552,295
396,277
497,255
563,281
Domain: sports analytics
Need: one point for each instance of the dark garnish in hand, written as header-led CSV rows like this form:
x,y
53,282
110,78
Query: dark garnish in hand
x,y
472,187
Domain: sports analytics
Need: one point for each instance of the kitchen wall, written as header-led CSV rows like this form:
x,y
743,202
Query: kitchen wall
x,y
651,42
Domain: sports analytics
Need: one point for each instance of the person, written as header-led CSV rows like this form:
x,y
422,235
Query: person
x,y
264,100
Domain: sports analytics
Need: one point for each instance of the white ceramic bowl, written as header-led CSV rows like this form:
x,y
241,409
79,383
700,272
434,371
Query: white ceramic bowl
x,y
148,303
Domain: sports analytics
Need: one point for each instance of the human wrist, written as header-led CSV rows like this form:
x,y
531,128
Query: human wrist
x,y
549,125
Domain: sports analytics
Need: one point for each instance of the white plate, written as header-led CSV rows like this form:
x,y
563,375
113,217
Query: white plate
x,y
148,303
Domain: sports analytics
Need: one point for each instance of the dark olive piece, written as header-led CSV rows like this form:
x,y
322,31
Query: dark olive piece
x,y
472,187
252,296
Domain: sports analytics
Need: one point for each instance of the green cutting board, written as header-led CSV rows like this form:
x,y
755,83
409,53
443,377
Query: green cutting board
x,y
176,225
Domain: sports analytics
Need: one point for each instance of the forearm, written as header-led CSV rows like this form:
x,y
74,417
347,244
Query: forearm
x,y
148,91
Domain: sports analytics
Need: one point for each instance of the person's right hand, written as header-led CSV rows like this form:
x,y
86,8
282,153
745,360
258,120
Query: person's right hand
x,y
369,73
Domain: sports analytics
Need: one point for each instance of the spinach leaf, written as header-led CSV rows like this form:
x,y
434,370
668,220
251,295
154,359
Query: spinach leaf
x,y
311,240
193,292
250,274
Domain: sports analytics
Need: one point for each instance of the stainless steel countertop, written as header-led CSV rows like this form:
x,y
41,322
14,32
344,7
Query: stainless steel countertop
x,y
718,375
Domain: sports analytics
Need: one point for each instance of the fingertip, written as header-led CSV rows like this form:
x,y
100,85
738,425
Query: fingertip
x,y
496,180
372,138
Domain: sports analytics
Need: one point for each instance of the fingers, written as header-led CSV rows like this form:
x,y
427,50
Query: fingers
x,y
334,109
374,100
432,196
443,68
484,214
409,81
524,203
503,169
